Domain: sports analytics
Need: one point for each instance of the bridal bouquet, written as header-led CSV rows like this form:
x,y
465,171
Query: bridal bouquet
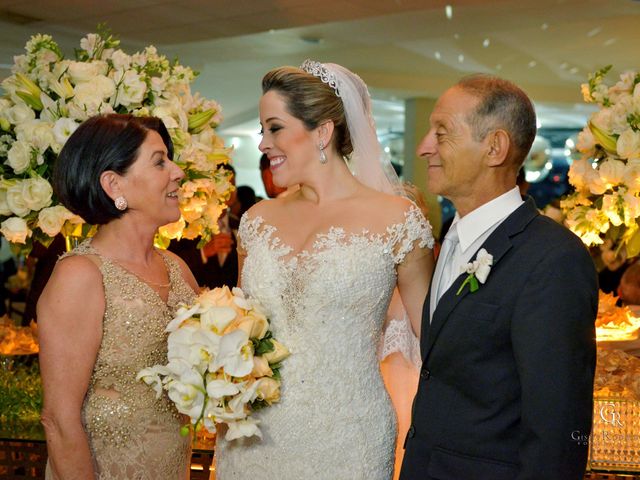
x,y
223,362
48,96
605,207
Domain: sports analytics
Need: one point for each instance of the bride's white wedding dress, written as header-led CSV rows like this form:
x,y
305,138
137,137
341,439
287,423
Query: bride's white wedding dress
x,y
327,305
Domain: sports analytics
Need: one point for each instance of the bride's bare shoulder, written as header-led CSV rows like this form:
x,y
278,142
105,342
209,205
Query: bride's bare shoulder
x,y
389,208
266,209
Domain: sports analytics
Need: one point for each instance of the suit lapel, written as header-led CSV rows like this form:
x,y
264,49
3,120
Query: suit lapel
x,y
497,244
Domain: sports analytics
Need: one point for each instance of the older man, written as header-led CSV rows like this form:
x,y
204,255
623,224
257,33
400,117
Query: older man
x,y
508,339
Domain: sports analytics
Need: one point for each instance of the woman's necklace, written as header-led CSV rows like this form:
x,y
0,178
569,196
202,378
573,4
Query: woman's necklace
x,y
140,277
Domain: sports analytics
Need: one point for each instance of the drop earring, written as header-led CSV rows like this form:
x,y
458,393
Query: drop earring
x,y
323,156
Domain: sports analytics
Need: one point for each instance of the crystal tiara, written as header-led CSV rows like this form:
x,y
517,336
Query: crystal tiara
x,y
317,69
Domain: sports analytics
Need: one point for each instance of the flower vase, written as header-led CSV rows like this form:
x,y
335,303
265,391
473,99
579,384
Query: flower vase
x,y
72,241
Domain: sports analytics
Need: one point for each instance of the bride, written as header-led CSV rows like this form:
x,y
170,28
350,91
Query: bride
x,y
324,261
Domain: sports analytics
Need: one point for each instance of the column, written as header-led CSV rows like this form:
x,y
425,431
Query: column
x,y
416,124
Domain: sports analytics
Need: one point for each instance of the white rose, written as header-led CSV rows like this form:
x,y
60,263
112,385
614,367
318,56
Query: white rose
x,y
15,230
37,132
100,87
86,71
602,119
63,128
628,145
612,171
586,143
121,61
4,206
87,105
158,84
37,193
131,89
15,200
19,156
19,113
51,219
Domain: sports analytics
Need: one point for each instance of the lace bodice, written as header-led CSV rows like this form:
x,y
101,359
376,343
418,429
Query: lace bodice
x,y
328,305
132,434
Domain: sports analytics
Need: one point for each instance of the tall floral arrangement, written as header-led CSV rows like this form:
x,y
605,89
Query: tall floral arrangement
x,y
605,207
48,96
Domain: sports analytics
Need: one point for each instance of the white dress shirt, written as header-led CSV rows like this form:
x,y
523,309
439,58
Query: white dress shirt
x,y
473,229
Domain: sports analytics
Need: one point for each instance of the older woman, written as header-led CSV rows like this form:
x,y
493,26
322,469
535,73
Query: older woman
x,y
103,313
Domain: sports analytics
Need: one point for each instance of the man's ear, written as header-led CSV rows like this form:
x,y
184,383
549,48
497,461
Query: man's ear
x,y
111,184
325,132
498,146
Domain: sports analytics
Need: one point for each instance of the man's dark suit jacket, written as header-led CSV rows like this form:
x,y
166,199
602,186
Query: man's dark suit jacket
x,y
506,386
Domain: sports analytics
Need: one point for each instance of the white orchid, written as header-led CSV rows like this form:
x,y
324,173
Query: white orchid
x,y
187,393
477,271
217,319
152,377
235,355
243,428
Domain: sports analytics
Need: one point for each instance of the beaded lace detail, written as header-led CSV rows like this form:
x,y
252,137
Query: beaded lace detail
x,y
327,304
132,435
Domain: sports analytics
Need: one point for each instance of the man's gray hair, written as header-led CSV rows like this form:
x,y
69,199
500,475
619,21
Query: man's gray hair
x,y
503,105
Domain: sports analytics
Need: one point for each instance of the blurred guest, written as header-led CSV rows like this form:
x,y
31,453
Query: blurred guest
x,y
246,199
629,288
272,189
102,315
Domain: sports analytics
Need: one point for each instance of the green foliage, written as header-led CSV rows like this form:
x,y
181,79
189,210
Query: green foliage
x,y
20,399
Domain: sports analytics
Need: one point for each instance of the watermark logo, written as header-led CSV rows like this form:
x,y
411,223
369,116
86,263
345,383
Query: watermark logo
x,y
609,415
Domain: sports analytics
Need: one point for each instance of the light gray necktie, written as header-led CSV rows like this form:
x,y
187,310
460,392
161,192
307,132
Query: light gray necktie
x,y
449,246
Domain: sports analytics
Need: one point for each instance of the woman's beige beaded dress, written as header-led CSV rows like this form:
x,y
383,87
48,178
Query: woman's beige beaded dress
x,y
133,435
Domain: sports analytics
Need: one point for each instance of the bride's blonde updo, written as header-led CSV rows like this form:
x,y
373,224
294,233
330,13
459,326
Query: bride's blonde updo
x,y
311,101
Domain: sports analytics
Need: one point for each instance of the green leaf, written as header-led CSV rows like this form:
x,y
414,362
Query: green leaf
x,y
473,283
633,245
264,346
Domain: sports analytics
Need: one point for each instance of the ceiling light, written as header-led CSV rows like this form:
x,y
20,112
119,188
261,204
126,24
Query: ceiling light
x,y
312,40
532,63
461,58
611,41
437,55
593,32
456,36
486,43
544,26
448,11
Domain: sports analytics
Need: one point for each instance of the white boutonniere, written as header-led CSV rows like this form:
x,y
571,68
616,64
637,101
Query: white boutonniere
x,y
478,271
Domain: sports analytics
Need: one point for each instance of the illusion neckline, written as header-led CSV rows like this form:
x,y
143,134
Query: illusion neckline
x,y
334,234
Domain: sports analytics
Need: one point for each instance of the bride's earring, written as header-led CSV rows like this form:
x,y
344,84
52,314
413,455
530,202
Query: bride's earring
x,y
323,156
